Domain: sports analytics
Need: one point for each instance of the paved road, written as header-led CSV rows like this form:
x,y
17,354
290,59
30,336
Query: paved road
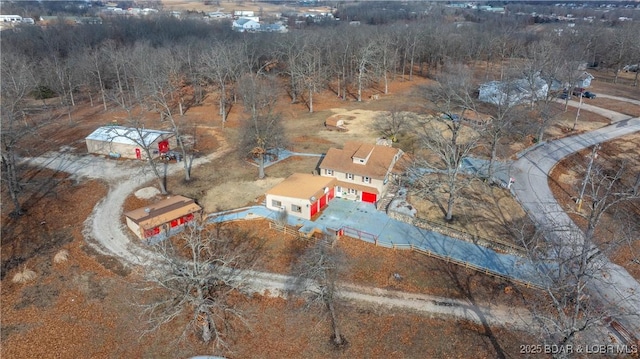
x,y
624,99
531,188
612,115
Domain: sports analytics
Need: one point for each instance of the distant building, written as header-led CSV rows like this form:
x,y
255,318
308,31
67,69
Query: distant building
x,y
242,25
13,19
584,80
513,92
243,13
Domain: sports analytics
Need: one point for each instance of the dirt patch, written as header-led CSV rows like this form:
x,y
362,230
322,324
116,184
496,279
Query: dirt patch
x,y
236,194
40,296
481,210
48,223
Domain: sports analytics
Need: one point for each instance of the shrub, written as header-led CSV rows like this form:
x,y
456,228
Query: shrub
x,y
26,275
61,256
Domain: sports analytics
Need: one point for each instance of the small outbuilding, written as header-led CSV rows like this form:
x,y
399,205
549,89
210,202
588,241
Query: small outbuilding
x,y
162,217
301,195
127,142
584,80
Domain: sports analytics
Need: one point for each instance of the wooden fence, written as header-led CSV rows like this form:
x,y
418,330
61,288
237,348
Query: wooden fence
x,y
284,229
362,235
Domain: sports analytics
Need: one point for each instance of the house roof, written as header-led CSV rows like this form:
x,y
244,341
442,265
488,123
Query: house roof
x,y
243,21
164,211
126,135
378,164
302,186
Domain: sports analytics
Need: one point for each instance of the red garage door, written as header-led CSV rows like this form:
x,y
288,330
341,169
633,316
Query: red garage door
x,y
323,201
332,193
314,208
369,197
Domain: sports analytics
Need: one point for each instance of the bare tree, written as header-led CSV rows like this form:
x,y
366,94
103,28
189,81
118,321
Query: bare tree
x,y
503,113
17,82
318,271
221,66
445,137
263,131
163,84
200,275
387,57
394,123
620,46
364,60
311,68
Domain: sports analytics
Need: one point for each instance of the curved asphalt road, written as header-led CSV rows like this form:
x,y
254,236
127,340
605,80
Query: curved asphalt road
x,y
612,284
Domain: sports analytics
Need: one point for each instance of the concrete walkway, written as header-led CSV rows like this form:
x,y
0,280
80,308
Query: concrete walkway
x,y
361,220
613,283
618,98
612,115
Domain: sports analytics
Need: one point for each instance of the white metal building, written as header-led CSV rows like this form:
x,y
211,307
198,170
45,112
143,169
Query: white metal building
x,y
127,142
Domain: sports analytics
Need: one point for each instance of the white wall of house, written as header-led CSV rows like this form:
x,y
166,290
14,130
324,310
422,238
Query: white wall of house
x,y
288,204
374,183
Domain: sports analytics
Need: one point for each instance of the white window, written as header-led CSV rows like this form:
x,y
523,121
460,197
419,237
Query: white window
x,y
296,208
275,203
366,179
352,191
349,176
328,172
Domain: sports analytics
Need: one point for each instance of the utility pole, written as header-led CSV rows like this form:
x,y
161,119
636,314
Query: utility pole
x,y
575,122
593,156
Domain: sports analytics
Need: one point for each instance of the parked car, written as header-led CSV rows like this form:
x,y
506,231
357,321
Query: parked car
x,y
564,95
577,91
588,94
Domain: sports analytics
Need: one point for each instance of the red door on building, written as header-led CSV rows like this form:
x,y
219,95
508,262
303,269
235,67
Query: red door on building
x,y
138,154
369,197
332,193
323,201
163,146
314,208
